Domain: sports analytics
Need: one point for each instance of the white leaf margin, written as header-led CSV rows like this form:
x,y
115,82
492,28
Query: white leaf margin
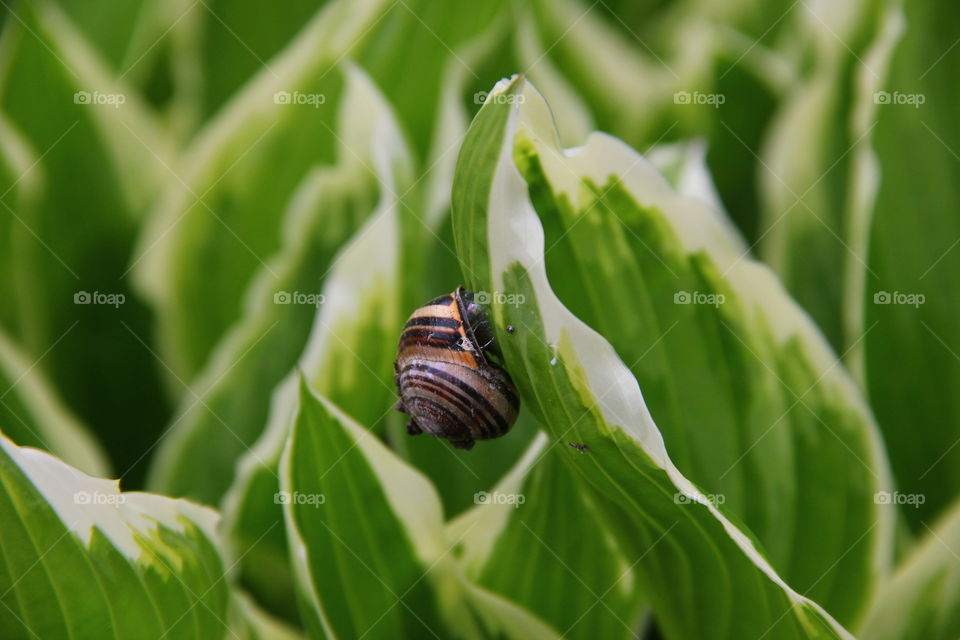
x,y
83,502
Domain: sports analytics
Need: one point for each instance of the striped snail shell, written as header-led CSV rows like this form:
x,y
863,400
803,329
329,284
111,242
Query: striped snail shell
x,y
447,383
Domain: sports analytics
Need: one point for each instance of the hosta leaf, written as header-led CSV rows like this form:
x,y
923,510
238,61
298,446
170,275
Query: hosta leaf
x,y
450,125
250,622
684,166
367,541
80,559
357,559
759,339
787,398
572,114
223,212
227,408
611,68
813,175
138,148
536,538
33,415
113,28
429,37
911,351
430,268
74,218
237,40
348,358
751,94
921,601
21,189
219,214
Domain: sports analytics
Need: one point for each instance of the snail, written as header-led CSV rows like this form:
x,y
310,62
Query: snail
x,y
446,380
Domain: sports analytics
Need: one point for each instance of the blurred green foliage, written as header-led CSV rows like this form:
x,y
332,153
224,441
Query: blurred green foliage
x,y
167,169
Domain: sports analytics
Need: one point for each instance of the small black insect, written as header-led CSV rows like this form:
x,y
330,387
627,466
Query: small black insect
x,y
448,383
579,447
510,328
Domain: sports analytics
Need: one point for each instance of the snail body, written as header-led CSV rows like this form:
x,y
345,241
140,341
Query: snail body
x,y
447,383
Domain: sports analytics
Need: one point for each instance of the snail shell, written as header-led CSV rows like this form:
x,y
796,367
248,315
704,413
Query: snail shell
x,y
447,383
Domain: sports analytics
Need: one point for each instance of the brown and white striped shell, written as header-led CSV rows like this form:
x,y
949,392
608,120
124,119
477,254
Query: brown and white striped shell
x,y
447,383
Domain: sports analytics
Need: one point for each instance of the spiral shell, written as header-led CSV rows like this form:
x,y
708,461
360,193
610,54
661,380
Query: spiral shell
x,y
447,383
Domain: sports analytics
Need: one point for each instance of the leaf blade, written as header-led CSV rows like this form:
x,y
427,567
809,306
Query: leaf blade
x,y
81,559
595,388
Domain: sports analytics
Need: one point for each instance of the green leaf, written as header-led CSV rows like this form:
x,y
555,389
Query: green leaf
x,y
33,415
342,359
610,70
238,40
571,112
922,599
139,150
431,38
814,176
753,365
348,358
21,188
778,445
537,539
431,267
73,212
367,541
910,354
218,214
113,28
80,559
360,563
226,409
250,622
